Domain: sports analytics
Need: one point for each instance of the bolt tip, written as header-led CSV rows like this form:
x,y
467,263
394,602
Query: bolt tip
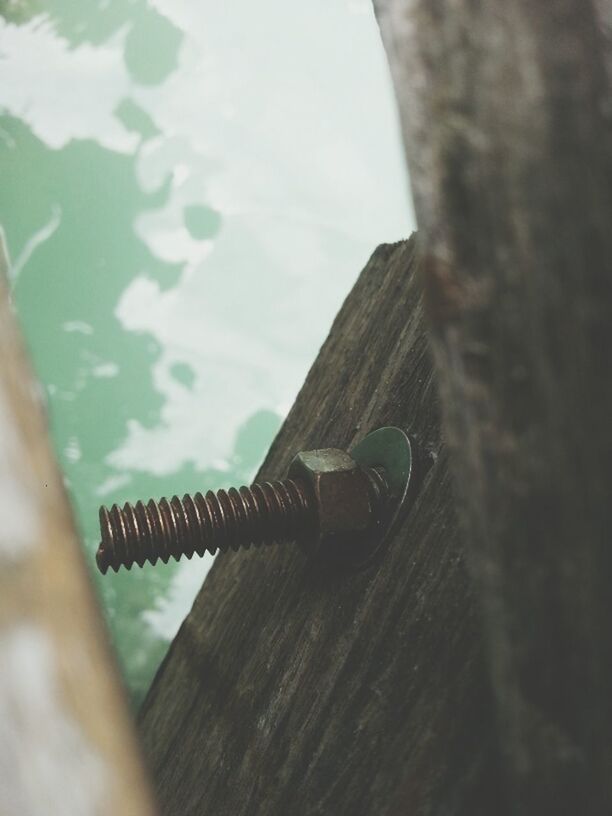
x,y
102,559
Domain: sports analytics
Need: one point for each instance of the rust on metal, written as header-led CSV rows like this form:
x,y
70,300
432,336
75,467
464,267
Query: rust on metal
x,y
329,502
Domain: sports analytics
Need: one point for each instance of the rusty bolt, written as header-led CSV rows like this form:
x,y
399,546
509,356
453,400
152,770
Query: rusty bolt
x,y
346,495
327,498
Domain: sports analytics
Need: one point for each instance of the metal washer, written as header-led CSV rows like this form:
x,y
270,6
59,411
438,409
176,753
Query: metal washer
x,y
389,448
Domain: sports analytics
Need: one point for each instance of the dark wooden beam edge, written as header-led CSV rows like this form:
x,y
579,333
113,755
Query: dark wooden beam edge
x,y
290,689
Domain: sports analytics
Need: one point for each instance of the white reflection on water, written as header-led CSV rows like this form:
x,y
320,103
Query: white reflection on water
x,y
35,240
272,141
281,136
64,93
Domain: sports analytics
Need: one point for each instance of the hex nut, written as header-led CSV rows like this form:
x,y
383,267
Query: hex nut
x,y
342,496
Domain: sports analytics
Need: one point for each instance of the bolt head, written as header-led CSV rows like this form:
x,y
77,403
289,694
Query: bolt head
x,y
342,497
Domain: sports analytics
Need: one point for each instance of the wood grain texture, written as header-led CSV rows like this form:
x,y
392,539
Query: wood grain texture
x,y
66,743
506,111
291,689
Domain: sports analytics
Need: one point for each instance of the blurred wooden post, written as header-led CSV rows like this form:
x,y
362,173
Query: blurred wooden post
x,y
66,742
507,112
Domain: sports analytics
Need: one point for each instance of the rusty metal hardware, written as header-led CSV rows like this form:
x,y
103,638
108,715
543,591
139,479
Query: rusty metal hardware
x,y
331,501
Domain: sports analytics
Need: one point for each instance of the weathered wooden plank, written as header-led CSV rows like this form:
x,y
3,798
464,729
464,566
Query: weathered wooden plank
x,y
290,689
66,744
506,111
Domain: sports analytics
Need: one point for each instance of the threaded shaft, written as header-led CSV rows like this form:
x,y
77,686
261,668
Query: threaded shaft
x,y
251,516
256,515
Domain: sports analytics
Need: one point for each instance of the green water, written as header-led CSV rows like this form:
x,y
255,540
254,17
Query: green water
x,y
187,191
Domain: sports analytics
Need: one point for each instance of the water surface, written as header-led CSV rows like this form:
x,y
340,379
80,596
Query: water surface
x,y
188,191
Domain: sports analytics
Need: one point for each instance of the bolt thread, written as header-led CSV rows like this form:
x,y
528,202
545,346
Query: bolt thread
x,y
250,516
256,515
